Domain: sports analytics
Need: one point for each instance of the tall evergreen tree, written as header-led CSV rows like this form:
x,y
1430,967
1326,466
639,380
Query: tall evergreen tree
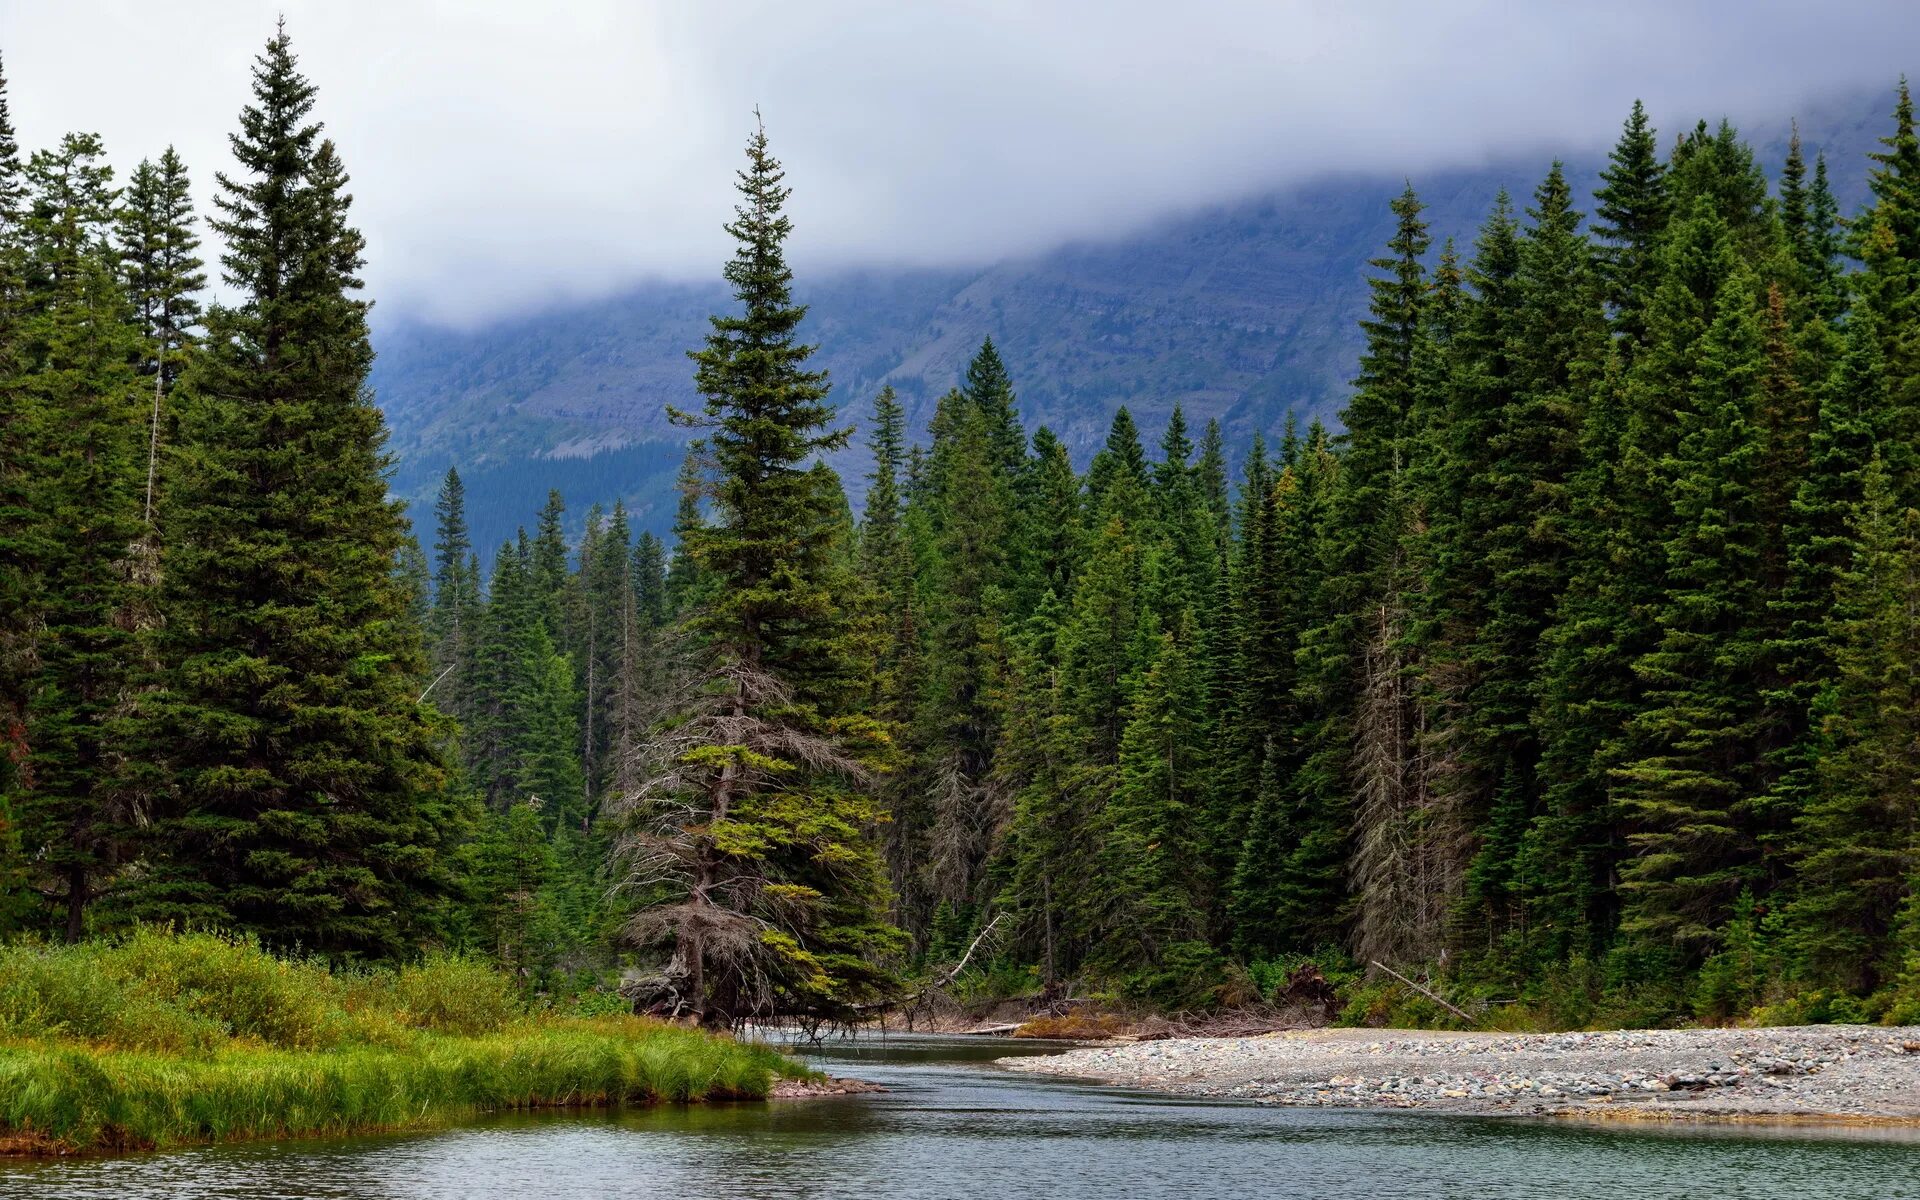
x,y
1148,858
1354,674
1688,794
990,389
77,351
310,793
1858,842
18,521
159,260
752,819
1631,211
453,619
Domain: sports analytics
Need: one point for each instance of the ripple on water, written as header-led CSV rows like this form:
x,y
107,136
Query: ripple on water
x,y
953,1125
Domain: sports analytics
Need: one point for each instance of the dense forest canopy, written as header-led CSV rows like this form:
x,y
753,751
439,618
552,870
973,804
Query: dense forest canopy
x,y
1577,668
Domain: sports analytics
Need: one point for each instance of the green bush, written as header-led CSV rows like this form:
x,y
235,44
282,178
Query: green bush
x,y
163,992
453,994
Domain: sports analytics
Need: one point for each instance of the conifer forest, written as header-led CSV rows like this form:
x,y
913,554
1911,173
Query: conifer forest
x,y
1577,668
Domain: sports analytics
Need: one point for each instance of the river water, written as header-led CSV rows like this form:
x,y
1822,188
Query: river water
x,y
953,1125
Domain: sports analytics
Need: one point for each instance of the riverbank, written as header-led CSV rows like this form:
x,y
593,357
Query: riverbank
x,y
1819,1073
166,1040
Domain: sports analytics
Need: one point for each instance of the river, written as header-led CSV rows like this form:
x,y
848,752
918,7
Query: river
x,y
952,1125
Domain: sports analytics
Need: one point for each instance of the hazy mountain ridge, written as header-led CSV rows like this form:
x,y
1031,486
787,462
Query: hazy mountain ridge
x,y
1243,312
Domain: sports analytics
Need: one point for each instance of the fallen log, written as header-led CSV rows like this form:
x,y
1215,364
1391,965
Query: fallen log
x,y
1428,993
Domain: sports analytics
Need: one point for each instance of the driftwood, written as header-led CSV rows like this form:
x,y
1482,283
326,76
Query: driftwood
x,y
1429,994
947,977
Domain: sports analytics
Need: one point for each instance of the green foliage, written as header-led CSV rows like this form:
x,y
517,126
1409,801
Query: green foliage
x,y
307,800
1573,675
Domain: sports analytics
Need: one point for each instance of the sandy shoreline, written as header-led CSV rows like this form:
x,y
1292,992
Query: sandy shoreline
x,y
1815,1074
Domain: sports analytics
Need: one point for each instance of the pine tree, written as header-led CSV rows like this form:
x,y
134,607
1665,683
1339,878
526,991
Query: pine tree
x,y
18,521
1122,457
77,350
751,817
604,581
1858,841
1055,792
452,621
1816,537
1718,168
512,871
990,389
548,566
1808,220
956,719
1687,796
1254,898
1558,345
309,782
1148,855
163,276
1631,209
1354,675
1886,239
1103,638
880,527
1049,516
650,581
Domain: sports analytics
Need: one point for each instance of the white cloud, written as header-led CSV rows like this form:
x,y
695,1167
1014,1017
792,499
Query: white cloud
x,y
507,155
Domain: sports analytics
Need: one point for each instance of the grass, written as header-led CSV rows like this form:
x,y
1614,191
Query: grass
x,y
163,1040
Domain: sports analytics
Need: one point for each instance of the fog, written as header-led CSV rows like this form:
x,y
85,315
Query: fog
x,y
507,156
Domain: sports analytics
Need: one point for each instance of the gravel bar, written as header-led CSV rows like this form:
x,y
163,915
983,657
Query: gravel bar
x,y
1856,1074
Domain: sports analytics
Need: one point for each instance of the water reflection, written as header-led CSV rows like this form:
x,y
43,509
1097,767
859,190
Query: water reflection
x,y
955,1126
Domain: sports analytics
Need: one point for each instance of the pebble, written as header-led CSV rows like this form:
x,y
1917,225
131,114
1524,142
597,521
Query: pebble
x,y
1833,1070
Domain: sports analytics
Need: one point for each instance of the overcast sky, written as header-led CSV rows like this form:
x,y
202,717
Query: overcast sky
x,y
507,155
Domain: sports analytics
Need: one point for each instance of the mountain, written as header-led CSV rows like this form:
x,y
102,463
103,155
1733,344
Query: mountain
x,y
1244,312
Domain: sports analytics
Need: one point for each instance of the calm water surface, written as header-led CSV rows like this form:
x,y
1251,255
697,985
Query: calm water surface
x,y
955,1126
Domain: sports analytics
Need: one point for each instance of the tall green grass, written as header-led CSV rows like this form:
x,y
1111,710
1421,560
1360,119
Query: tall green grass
x,y
162,1040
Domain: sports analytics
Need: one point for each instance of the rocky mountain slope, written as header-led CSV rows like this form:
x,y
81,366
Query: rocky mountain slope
x,y
1243,312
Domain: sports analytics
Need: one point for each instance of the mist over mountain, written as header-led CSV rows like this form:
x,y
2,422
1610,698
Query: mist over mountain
x,y
1245,313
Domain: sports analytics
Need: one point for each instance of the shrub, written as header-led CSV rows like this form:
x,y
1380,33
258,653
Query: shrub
x,y
453,994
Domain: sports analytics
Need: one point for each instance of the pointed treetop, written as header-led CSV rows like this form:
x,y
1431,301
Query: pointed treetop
x,y
990,388
12,188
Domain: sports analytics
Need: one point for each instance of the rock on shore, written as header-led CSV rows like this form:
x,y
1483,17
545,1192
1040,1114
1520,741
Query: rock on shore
x,y
1815,1072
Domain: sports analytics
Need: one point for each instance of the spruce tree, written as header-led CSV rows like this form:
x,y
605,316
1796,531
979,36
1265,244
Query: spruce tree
x,y
1630,210
309,782
1856,843
1558,346
17,519
956,719
1353,669
1687,797
1148,857
990,389
753,819
453,619
163,277
77,351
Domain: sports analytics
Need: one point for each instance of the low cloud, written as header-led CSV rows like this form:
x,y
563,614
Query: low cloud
x,y
511,155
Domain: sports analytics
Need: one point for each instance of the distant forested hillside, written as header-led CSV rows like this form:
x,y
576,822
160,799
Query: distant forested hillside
x,y
1239,313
